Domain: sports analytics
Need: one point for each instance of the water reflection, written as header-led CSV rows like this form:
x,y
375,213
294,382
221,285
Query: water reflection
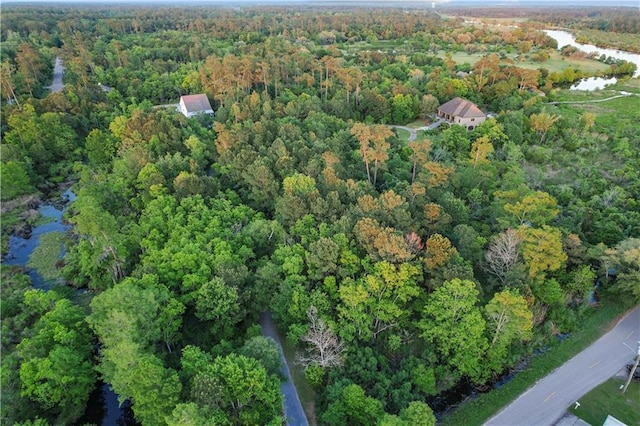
x,y
103,409
20,249
594,83
566,38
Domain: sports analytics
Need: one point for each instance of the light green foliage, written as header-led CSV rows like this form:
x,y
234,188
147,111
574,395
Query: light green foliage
x,y
548,291
353,407
56,369
453,322
44,139
140,376
378,301
218,303
265,350
424,379
404,108
100,148
581,281
241,388
509,319
186,229
542,249
418,413
99,259
130,319
199,249
140,310
189,414
14,180
538,208
625,258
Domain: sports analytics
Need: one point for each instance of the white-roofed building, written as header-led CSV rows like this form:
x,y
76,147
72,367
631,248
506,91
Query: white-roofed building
x,y
191,105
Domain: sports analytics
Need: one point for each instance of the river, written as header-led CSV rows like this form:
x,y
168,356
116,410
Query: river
x,y
566,38
103,407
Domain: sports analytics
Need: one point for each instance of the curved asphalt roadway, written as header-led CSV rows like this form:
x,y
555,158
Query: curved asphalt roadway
x,y
547,401
293,412
413,133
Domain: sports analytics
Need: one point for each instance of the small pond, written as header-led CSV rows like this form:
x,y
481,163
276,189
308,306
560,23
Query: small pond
x,y
594,83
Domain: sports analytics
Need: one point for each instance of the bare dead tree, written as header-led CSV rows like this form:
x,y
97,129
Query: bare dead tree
x,y
502,254
325,347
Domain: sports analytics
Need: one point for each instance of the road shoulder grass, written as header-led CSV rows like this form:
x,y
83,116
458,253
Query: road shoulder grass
x,y
608,399
480,409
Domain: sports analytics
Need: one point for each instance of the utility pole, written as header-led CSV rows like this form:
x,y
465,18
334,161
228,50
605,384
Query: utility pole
x,y
633,370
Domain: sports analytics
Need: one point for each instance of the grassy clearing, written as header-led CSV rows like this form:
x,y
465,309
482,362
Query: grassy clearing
x,y
403,134
305,391
556,62
631,85
45,257
608,399
581,96
417,124
480,409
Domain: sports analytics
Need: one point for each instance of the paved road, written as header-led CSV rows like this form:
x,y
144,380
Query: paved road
x,y
413,133
547,401
294,414
58,71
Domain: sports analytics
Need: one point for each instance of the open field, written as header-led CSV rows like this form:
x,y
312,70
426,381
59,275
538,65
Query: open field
x,y
608,399
403,135
556,62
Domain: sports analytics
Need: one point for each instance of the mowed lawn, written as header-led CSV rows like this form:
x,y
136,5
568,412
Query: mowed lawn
x,y
556,62
608,399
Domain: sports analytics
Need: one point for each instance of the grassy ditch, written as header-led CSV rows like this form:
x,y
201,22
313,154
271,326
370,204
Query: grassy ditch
x,y
305,392
608,399
480,409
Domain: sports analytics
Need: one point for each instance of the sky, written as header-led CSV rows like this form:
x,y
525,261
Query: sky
x,y
409,3
389,2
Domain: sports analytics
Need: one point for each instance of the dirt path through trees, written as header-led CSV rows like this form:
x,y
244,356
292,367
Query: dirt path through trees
x,y
58,71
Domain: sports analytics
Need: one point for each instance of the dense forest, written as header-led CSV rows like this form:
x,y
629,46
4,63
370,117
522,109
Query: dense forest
x,y
396,268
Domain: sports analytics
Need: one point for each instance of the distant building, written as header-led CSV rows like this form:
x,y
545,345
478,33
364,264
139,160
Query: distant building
x,y
191,105
462,112
104,88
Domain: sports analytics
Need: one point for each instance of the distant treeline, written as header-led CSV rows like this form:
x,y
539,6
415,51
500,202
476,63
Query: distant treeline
x,y
612,19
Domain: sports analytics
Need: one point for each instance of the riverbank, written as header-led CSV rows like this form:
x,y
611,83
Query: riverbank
x,y
564,37
38,247
18,218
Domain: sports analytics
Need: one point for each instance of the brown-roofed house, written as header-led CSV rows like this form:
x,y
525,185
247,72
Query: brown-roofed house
x,y
461,111
191,105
